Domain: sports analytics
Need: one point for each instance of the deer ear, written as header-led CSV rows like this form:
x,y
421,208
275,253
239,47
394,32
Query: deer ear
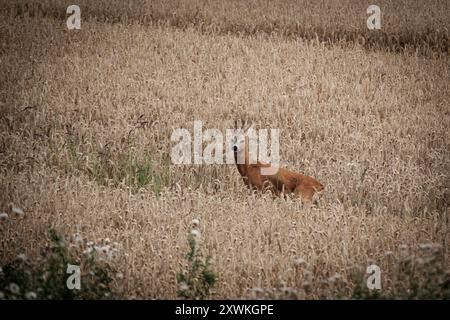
x,y
249,127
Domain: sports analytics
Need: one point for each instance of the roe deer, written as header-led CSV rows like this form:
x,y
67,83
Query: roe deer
x,y
282,182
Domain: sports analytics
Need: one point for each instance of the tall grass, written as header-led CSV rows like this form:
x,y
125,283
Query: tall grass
x,y
86,119
413,24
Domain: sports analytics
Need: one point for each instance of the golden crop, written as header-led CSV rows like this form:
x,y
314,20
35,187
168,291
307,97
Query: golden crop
x,y
86,118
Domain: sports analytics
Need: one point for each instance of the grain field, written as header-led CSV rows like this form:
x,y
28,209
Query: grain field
x,y
86,118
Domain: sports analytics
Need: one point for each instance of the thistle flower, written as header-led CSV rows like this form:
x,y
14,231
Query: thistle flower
x,y
14,288
88,251
3,216
30,295
195,223
300,262
17,211
184,286
195,233
105,249
308,275
334,278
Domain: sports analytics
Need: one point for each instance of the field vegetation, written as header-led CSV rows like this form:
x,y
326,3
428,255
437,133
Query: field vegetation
x,y
86,118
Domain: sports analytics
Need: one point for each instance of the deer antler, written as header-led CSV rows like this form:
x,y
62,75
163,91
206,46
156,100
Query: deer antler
x,y
242,124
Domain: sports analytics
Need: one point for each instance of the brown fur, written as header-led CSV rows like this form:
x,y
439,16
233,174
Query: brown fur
x,y
284,181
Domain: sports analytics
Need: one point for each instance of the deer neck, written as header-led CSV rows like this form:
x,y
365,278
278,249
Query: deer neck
x,y
242,167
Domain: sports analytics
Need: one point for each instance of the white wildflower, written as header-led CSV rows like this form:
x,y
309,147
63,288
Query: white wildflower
x,y
105,249
337,276
334,278
30,295
184,286
195,223
195,233
14,288
114,253
3,216
300,262
17,211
